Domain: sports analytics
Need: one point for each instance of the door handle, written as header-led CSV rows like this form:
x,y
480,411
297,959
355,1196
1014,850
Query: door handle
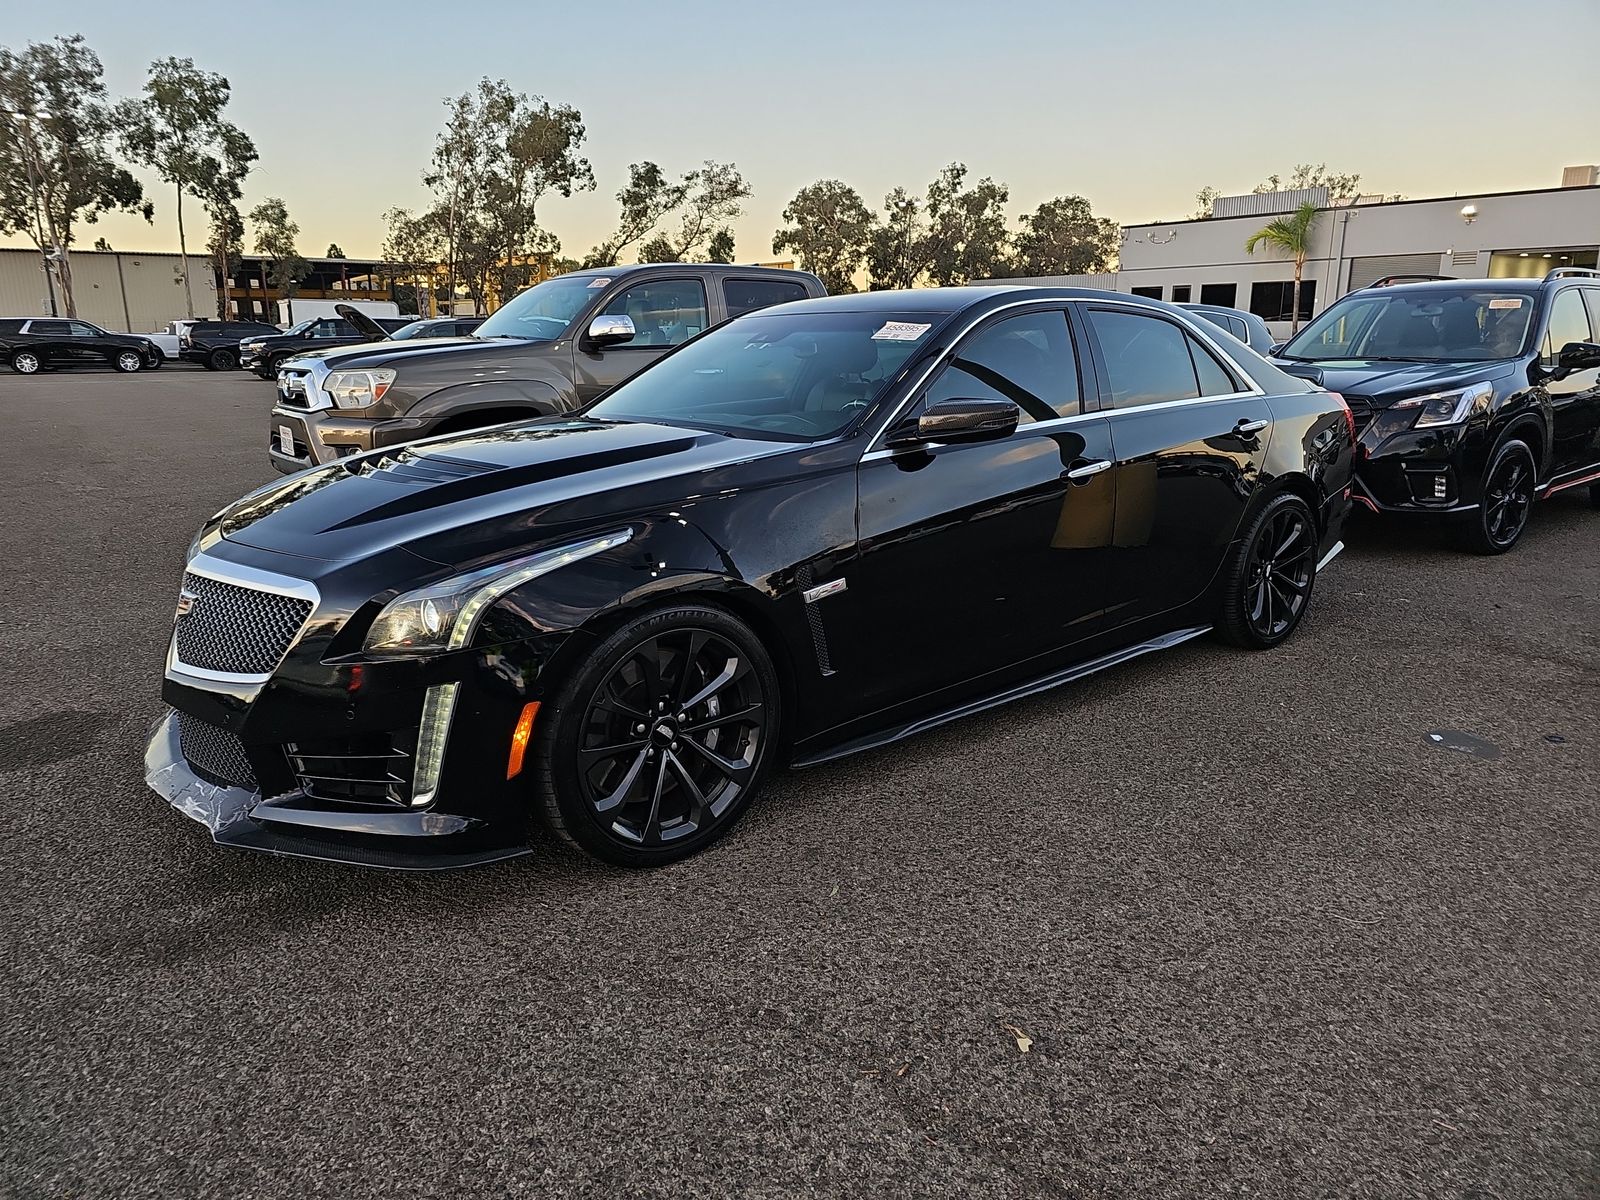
x,y
1084,471
1248,427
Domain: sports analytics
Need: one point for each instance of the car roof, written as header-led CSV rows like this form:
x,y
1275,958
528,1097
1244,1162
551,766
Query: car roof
x,y
958,299
708,268
1456,285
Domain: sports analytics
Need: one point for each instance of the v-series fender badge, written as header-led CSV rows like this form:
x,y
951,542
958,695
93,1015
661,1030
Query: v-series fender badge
x,y
823,590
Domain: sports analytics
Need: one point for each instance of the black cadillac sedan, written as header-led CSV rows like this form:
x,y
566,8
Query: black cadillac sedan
x,y
811,530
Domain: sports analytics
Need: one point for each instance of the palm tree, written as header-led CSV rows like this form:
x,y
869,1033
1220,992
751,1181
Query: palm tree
x,y
1289,236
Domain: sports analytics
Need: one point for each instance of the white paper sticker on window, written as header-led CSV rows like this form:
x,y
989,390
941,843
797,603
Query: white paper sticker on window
x,y
601,282
900,331
1511,302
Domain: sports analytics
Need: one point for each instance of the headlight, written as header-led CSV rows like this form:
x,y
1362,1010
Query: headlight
x,y
443,615
1449,408
194,545
357,389
254,347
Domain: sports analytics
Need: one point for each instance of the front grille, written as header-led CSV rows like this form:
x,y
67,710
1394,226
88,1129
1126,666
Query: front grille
x,y
240,630
1362,410
367,769
214,753
292,389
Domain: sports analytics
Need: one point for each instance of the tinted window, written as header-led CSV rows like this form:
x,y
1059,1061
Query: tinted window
x,y
1274,301
1147,359
1221,294
665,312
11,325
1180,293
1149,293
747,295
50,328
1027,360
79,329
793,376
1593,296
1214,377
1569,322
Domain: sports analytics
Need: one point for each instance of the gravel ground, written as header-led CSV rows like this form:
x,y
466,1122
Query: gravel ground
x,y
1214,924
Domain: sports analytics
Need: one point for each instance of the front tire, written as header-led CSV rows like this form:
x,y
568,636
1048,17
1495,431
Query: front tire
x,y
660,739
26,362
128,362
1269,576
222,360
1509,486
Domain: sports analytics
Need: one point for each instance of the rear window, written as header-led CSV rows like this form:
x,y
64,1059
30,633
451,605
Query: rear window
x,y
747,295
10,325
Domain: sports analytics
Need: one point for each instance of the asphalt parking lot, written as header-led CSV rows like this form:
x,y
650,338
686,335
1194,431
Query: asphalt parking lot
x,y
1213,924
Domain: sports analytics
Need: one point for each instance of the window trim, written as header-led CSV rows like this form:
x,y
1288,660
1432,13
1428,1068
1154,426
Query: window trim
x,y
727,309
649,281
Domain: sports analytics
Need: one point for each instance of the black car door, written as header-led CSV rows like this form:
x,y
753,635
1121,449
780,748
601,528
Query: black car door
x,y
91,345
53,341
1574,400
978,556
1190,435
665,313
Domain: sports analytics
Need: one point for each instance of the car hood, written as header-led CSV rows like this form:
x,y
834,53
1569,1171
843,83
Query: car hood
x,y
364,324
397,354
1385,382
460,498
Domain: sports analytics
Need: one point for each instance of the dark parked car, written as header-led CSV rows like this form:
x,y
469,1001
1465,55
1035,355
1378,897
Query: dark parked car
x,y
553,349
264,355
431,327
33,344
813,530
215,344
1472,397
1246,326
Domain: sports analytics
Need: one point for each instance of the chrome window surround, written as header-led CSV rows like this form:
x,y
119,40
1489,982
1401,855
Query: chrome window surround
x,y
245,577
875,451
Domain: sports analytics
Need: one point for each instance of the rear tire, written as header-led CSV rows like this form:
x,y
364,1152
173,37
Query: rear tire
x,y
1510,484
222,360
1269,576
660,739
26,362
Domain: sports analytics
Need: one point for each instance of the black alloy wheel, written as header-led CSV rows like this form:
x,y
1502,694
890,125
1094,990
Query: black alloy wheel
x,y
25,362
1509,486
1270,575
157,360
222,360
660,739
129,361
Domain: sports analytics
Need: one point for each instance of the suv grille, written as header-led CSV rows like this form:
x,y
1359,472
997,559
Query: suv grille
x,y
214,753
1362,410
236,629
292,391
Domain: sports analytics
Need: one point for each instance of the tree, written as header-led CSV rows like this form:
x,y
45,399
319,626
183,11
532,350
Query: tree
x,y
1340,187
829,230
713,197
648,197
897,249
414,247
658,249
720,248
275,235
967,237
56,128
227,236
334,251
1064,237
1205,200
177,130
1289,236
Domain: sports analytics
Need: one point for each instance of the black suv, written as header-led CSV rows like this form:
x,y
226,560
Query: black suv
x,y
215,344
264,355
1472,397
552,349
33,344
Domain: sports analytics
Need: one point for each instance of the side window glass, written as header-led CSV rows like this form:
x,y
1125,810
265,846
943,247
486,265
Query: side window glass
x,y
50,328
747,295
1147,359
1027,359
664,312
1215,379
79,329
1569,322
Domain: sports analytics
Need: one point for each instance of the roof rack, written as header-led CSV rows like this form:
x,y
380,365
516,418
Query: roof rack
x,y
1387,280
1564,272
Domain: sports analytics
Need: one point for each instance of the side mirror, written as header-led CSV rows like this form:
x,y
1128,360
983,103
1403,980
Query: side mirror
x,y
1578,356
1275,347
959,421
610,331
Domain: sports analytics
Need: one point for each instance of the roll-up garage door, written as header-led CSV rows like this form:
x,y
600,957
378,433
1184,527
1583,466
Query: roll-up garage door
x,y
1368,270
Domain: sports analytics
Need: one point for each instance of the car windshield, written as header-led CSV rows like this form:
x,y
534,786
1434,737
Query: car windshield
x,y
793,376
302,327
1423,326
413,330
544,310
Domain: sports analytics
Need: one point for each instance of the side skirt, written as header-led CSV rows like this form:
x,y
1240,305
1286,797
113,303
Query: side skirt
x,y
1055,679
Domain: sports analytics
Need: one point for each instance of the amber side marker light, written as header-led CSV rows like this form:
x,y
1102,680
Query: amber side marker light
x,y
519,738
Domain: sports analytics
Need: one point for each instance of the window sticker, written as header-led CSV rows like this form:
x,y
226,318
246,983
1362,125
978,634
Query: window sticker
x,y
900,331
601,282
1509,302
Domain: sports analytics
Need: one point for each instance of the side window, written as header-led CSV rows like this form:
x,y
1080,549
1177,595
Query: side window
x,y
1149,293
79,329
747,295
1027,359
1592,295
1221,294
1569,322
1215,379
1147,359
1180,293
50,328
664,311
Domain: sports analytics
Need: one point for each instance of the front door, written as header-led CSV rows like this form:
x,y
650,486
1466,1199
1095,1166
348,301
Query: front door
x,y
1190,437
665,313
977,557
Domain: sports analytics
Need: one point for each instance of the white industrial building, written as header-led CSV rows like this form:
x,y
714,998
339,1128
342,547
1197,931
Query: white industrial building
x,y
1494,235
117,290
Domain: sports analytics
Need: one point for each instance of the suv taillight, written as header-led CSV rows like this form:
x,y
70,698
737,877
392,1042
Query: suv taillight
x,y
1349,417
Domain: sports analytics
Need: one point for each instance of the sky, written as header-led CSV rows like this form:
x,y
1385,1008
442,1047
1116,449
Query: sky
x,y
1135,105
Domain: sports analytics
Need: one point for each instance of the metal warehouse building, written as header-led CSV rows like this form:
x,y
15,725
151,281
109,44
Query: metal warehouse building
x,y
118,290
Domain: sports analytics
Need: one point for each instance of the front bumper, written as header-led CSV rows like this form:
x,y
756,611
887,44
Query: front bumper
x,y
318,436
1436,471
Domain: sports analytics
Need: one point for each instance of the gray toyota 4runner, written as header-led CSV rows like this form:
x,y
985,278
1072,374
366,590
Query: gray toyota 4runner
x,y
553,349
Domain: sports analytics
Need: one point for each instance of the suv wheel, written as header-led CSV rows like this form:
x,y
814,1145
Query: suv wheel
x,y
25,362
129,361
1268,579
660,738
222,360
1509,486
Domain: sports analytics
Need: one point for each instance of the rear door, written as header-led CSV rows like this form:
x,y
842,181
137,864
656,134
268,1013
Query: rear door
x,y
1189,435
665,313
52,341
1575,400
